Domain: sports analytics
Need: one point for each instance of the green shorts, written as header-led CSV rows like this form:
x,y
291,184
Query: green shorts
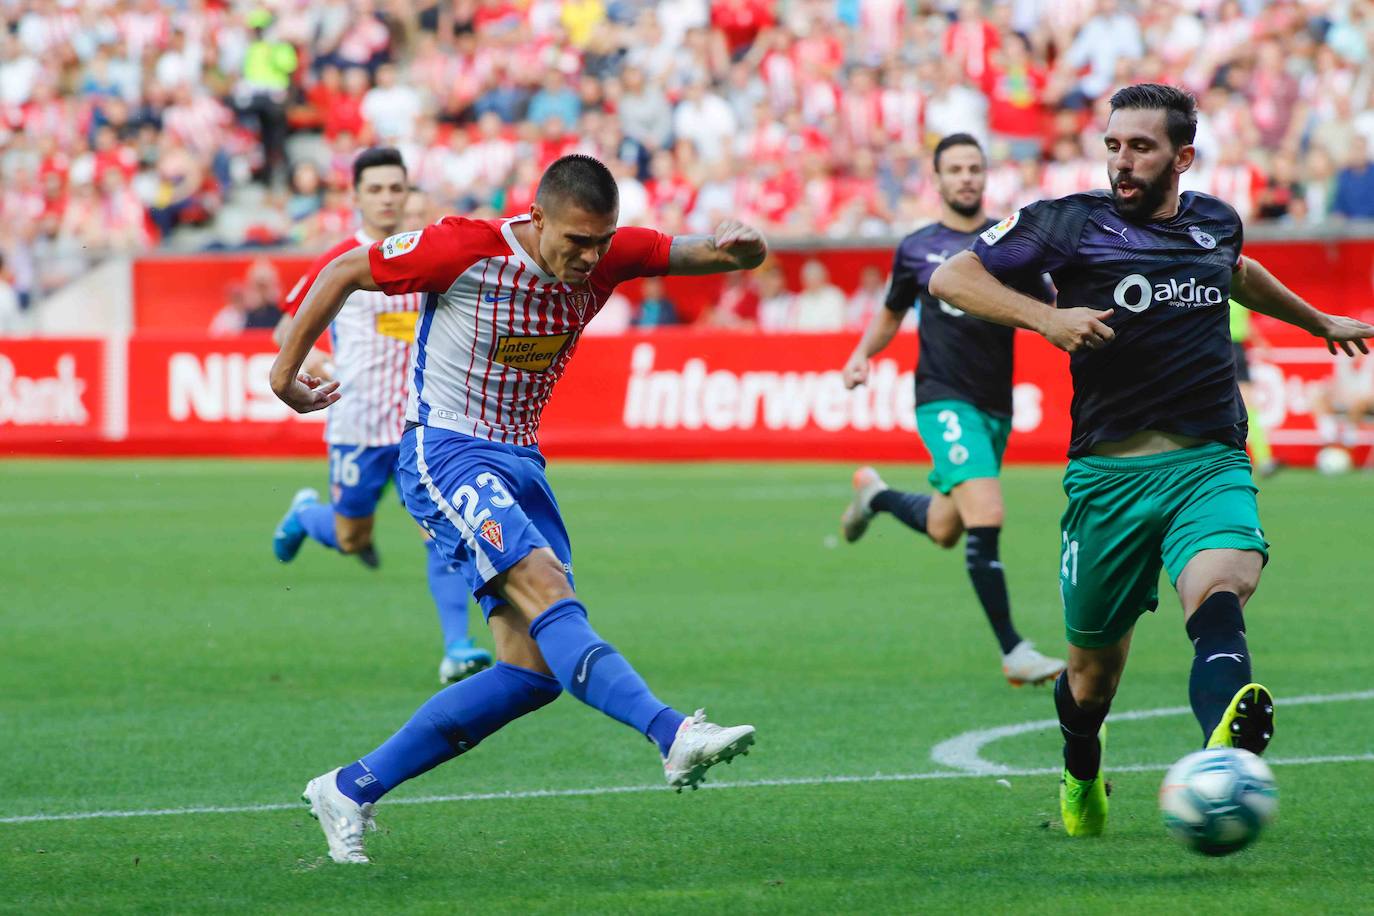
x,y
964,442
1127,517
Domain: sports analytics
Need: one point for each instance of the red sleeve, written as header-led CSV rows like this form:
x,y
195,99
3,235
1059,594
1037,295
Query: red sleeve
x,y
635,252
293,300
429,260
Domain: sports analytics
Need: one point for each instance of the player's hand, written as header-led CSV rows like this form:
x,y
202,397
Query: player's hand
x,y
319,365
855,371
1078,329
308,393
1347,333
745,243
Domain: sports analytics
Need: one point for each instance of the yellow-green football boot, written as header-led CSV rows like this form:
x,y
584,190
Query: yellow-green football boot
x,y
1248,722
1083,802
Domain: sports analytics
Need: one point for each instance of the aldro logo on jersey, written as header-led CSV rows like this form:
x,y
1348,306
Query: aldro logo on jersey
x,y
1136,293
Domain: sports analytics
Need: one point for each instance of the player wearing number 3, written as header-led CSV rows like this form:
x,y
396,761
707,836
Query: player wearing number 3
x,y
505,303
1157,472
963,404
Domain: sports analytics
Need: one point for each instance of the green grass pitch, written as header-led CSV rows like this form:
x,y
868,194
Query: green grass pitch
x,y
153,655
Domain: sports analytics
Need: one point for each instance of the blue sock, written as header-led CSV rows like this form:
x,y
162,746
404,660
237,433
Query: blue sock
x,y
594,672
318,522
451,722
450,591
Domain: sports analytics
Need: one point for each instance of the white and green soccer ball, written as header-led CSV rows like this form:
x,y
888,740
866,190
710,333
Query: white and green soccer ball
x,y
1217,801
1333,460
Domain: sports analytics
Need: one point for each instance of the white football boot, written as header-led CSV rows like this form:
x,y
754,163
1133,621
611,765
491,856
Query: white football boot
x,y
859,512
700,745
341,818
1025,665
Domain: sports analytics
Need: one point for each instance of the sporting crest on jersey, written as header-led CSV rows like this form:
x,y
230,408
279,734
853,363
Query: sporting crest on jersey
x,y
1202,238
491,533
397,245
994,233
530,352
579,301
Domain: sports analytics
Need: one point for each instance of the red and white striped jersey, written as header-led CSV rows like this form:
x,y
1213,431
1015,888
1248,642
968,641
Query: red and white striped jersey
x,y
371,340
497,331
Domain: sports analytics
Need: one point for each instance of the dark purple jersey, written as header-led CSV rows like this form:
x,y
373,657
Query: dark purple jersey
x,y
1170,365
962,358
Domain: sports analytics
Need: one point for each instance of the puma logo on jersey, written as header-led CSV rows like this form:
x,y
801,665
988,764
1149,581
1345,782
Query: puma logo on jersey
x,y
1120,232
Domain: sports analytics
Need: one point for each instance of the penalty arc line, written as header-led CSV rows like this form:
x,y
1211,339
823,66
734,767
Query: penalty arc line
x,y
964,752
628,790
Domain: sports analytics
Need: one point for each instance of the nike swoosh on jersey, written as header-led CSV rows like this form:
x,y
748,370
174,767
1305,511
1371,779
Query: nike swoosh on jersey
x,y
1225,655
492,297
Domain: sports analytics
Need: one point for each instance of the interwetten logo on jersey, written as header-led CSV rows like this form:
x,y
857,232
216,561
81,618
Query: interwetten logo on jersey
x,y
397,245
530,352
491,533
994,233
1136,293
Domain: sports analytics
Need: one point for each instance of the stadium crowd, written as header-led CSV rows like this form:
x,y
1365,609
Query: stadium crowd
x,y
131,124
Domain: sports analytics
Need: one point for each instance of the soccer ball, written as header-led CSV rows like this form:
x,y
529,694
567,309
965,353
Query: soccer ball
x,y
1217,801
1333,460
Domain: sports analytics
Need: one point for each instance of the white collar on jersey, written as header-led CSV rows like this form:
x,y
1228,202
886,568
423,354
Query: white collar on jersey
x,y
364,239
508,233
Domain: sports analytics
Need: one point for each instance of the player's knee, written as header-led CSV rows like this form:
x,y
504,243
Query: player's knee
x,y
543,576
946,538
353,540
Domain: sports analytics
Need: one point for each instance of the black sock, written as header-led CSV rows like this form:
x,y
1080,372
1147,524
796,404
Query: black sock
x,y
1221,660
985,569
1082,750
909,508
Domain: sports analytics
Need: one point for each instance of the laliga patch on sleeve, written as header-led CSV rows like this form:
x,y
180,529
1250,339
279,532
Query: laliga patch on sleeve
x,y
397,245
993,233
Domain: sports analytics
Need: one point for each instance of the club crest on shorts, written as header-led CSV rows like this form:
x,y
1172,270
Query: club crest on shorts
x,y
579,301
1202,238
491,533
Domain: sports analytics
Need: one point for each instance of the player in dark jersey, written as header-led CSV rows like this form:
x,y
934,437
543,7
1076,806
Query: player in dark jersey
x,y
1157,472
963,403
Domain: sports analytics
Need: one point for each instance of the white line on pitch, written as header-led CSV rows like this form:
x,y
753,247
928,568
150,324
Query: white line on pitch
x,y
964,752
627,790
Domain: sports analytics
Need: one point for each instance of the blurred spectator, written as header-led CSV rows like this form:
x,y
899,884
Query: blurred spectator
x,y
706,120
865,301
555,100
390,109
253,304
737,306
12,318
1355,184
644,111
820,306
1111,35
268,65
655,310
776,303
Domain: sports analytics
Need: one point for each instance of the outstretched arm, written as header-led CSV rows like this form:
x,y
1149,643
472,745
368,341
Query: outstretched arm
x,y
879,333
734,246
343,276
965,283
1260,291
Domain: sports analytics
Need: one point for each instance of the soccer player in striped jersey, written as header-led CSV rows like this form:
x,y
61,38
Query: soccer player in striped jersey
x,y
505,304
371,339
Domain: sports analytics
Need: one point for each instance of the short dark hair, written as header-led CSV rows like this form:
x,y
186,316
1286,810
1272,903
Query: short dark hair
x,y
1179,107
955,140
375,156
580,180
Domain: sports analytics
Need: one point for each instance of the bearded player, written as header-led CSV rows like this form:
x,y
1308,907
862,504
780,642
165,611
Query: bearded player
x,y
370,351
505,303
1157,474
963,404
